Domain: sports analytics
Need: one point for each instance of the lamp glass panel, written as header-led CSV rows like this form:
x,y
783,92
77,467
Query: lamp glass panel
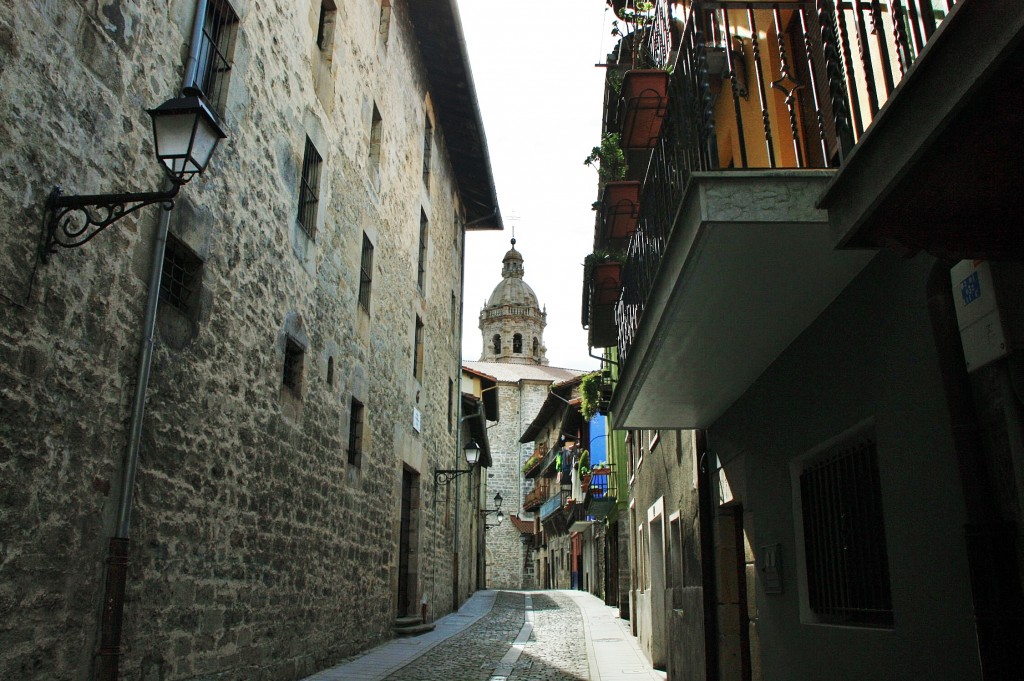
x,y
206,141
173,139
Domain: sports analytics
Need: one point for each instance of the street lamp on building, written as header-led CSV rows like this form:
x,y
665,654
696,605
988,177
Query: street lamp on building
x,y
185,135
496,511
443,476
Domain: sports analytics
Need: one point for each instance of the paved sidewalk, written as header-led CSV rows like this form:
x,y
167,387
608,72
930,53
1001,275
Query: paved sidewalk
x,y
385,659
612,653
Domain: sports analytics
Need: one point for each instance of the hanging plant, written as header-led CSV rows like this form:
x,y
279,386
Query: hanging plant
x,y
590,395
609,158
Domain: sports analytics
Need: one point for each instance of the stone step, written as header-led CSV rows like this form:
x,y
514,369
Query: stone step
x,y
408,620
413,629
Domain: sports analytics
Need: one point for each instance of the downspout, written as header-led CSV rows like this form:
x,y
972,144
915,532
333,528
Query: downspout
x,y
990,538
107,661
709,582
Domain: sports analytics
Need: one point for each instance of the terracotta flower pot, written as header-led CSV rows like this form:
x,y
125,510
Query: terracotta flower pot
x,y
645,99
607,281
620,208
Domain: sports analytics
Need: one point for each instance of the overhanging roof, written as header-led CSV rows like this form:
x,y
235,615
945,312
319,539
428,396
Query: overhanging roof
x,y
438,30
749,264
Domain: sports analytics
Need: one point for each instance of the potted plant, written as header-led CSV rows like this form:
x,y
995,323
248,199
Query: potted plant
x,y
609,158
644,88
590,395
603,269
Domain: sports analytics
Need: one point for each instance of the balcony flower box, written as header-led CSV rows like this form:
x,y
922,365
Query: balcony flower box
x,y
607,282
620,210
645,101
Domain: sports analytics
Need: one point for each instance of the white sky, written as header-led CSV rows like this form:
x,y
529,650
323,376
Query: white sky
x,y
538,134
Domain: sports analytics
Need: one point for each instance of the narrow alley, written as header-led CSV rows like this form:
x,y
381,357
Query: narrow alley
x,y
510,636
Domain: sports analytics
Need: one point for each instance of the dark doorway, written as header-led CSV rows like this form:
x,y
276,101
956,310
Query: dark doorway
x,y
406,541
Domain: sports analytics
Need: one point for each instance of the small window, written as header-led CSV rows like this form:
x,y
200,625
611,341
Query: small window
x,y
309,192
384,25
454,317
421,268
428,144
355,434
417,359
517,343
180,281
376,125
847,566
294,358
330,372
366,274
212,52
325,28
497,344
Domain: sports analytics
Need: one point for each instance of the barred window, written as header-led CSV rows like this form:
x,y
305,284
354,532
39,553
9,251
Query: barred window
x,y
182,275
366,274
421,268
294,358
844,535
309,191
355,433
428,138
212,51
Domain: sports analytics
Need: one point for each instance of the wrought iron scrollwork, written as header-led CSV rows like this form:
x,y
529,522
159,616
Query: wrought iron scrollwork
x,y
71,221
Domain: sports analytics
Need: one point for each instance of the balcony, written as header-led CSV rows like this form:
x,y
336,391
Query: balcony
x,y
601,492
537,496
732,257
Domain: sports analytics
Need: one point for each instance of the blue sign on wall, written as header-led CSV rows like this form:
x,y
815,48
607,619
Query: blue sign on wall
x,y
970,288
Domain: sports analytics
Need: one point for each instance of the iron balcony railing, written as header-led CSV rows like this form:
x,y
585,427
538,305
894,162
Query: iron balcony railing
x,y
553,505
762,84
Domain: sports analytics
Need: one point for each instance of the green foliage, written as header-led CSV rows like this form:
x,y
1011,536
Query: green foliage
x,y
609,157
615,80
590,395
583,465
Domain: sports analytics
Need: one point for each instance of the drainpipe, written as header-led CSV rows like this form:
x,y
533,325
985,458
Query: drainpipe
x,y
107,660
990,537
709,582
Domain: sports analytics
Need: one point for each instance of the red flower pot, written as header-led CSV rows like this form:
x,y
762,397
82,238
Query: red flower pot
x,y
645,101
620,209
607,281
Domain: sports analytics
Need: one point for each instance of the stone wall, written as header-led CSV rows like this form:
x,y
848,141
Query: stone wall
x,y
257,551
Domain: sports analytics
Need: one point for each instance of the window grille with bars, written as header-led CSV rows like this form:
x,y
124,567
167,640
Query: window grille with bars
x,y
847,564
182,274
212,51
421,268
294,358
366,274
355,433
309,191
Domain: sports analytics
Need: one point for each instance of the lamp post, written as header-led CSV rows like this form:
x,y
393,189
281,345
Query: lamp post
x,y
496,511
444,476
185,135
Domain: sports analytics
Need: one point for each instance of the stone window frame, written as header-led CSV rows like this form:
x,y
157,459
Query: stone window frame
x,y
181,279
326,25
376,144
417,357
293,370
309,188
356,432
422,255
366,274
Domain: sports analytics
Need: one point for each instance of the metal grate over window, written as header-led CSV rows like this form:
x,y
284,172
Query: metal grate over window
x,y
309,191
179,284
355,433
366,274
844,536
212,52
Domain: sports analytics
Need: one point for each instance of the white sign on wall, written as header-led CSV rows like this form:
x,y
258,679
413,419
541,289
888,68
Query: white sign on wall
x,y
417,420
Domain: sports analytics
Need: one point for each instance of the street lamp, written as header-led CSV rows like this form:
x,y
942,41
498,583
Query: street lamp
x,y
496,511
185,135
471,450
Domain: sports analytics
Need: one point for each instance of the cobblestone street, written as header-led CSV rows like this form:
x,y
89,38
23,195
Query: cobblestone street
x,y
523,636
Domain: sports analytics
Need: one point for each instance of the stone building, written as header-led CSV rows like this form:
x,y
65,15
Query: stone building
x,y
271,438
512,327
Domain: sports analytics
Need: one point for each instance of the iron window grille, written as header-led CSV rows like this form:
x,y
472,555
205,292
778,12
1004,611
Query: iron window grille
x,y
309,192
417,360
182,273
428,136
212,52
325,27
421,268
366,274
294,357
355,433
844,536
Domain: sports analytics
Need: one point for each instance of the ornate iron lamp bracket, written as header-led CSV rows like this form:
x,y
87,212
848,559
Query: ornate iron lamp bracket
x,y
443,477
71,221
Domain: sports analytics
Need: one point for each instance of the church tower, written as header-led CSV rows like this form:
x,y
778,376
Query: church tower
x,y
512,322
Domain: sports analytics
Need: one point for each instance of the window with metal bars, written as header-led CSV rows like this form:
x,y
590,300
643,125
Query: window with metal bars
x,y
366,274
309,191
325,27
182,276
428,146
294,358
417,359
355,433
847,565
213,48
421,268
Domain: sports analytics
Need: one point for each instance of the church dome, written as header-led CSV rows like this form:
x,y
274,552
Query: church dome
x,y
512,321
512,290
